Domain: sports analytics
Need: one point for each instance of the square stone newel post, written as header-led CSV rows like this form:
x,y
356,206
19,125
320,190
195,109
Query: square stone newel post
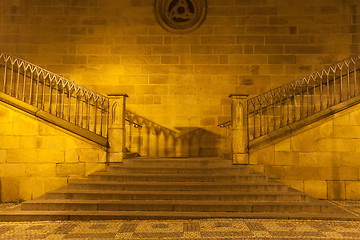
x,y
239,129
116,135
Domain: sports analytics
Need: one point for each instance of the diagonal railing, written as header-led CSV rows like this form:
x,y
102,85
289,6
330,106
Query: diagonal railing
x,y
51,94
300,99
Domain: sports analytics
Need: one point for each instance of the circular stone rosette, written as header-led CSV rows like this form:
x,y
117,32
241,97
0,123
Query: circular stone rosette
x,y
180,16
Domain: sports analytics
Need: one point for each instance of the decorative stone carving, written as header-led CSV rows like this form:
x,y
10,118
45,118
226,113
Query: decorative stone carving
x,y
180,16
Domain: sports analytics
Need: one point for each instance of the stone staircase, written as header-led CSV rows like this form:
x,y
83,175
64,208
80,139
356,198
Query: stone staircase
x,y
172,189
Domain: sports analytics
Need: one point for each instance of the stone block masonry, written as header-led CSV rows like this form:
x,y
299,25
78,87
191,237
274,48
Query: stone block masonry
x,y
36,158
321,160
118,46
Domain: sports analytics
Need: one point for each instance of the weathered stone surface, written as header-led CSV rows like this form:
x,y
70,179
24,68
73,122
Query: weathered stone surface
x,y
317,189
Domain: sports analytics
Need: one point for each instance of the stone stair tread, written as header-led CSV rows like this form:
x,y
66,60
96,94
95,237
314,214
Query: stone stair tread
x,y
171,183
18,215
174,202
172,192
154,194
177,175
226,185
179,167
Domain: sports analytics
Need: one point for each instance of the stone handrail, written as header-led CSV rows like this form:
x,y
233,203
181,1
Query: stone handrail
x,y
59,101
293,105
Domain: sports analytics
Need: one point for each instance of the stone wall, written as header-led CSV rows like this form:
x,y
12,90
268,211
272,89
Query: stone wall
x,y
321,159
181,80
36,158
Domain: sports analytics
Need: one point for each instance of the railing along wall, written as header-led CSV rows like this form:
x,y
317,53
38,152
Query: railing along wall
x,y
148,138
54,95
294,104
303,98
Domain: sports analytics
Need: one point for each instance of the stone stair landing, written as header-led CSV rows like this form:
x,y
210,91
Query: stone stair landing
x,y
174,188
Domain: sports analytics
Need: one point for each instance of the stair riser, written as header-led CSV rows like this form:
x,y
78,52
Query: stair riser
x,y
248,188
257,198
173,207
250,179
180,171
177,164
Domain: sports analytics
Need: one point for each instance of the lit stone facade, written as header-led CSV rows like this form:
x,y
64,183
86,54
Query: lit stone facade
x,y
181,81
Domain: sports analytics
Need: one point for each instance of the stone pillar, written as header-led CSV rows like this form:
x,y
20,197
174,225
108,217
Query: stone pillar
x,y
239,129
117,131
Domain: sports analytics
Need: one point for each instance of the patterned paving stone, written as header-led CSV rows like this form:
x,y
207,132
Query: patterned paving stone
x,y
254,226
128,227
191,227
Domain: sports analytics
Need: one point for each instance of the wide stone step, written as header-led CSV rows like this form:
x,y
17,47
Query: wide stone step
x,y
174,170
18,215
177,177
175,186
175,195
172,205
177,162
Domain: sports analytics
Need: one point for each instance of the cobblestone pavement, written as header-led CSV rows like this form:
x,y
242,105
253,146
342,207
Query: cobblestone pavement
x,y
188,229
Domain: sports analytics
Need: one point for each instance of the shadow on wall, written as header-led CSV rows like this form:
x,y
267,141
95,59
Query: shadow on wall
x,y
150,139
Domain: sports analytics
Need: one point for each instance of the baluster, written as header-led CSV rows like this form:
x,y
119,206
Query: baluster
x,y
69,104
17,83
281,110
334,87
5,75
56,99
50,95
301,101
327,90
75,110
82,110
24,84
294,104
62,102
321,93
88,115
355,78
37,91
254,114
95,110
43,95
108,118
307,100
31,85
348,81
101,116
260,115
11,78
314,98
287,109
274,111
341,85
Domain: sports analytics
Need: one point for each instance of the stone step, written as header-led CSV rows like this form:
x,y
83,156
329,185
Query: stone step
x,y
177,162
122,177
175,186
172,206
175,169
175,195
18,215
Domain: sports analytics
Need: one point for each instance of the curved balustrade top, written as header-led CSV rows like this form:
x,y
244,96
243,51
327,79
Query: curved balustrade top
x,y
144,122
303,97
54,94
326,71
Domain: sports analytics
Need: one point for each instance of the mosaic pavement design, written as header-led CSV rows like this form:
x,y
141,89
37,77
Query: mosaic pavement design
x,y
183,229
187,229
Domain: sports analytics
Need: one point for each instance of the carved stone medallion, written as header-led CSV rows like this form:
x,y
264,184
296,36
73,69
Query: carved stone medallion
x,y
180,16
